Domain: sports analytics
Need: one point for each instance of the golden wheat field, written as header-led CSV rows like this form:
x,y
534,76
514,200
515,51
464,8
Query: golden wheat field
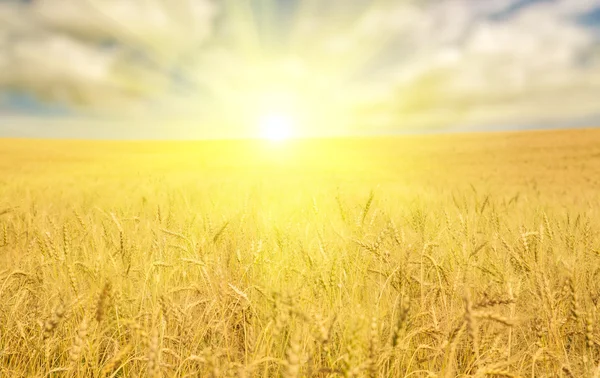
x,y
473,255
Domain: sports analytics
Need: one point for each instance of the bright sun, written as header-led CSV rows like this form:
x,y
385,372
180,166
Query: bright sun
x,y
276,126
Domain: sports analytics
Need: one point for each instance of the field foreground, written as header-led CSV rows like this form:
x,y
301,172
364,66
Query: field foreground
x,y
432,256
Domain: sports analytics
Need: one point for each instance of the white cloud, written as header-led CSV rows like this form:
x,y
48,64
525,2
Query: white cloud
x,y
437,62
97,53
163,27
517,69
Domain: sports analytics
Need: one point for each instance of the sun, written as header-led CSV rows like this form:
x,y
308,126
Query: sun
x,y
276,126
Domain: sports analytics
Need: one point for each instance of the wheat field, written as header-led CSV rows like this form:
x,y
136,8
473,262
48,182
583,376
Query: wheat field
x,y
473,255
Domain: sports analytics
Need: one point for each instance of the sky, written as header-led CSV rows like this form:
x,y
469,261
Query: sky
x,y
161,69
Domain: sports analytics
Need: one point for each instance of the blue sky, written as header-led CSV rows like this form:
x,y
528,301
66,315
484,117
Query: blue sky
x,y
357,66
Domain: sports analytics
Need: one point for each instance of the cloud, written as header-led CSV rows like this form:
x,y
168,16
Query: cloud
x,y
464,62
106,53
167,28
394,63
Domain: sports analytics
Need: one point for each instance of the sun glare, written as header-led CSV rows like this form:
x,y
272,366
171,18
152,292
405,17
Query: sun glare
x,y
276,127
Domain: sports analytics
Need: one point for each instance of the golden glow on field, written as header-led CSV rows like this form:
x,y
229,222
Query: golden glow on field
x,y
316,234
277,126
